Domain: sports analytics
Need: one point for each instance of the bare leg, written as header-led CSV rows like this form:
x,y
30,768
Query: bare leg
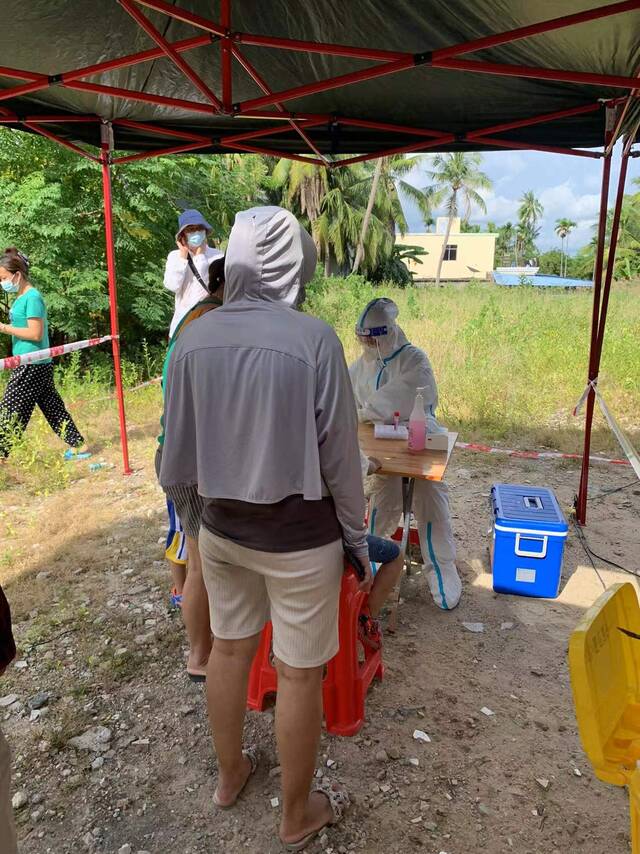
x,y
298,722
178,575
227,683
384,583
195,611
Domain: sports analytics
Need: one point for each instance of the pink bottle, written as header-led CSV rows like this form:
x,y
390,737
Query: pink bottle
x,y
417,425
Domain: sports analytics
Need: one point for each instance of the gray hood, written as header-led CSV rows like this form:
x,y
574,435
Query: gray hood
x,y
269,257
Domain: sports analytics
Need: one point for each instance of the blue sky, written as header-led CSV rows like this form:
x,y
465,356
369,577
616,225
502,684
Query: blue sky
x,y
566,186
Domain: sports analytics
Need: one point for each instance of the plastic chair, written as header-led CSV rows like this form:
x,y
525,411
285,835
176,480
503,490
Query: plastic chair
x,y
348,674
604,662
414,538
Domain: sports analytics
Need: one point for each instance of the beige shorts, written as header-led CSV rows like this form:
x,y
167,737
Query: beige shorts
x,y
298,591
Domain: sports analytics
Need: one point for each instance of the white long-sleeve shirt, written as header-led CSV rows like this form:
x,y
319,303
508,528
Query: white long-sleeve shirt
x,y
179,279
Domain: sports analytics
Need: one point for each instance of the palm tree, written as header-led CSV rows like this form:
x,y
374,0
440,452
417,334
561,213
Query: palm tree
x,y
563,229
335,202
387,180
529,212
455,176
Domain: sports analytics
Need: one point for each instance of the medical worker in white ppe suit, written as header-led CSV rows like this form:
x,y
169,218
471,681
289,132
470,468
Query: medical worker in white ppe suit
x,y
385,379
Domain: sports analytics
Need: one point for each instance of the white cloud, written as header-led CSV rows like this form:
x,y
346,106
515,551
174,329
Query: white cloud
x,y
562,201
511,164
500,209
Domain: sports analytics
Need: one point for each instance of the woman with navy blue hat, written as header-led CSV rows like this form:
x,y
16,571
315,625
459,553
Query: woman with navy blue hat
x,y
187,272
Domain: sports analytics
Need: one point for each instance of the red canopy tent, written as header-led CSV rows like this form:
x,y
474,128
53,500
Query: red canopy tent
x,y
470,104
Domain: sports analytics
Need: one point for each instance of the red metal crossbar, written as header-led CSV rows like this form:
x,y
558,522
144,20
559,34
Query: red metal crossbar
x,y
535,120
134,59
536,29
184,16
326,85
272,152
170,52
65,143
554,74
270,131
144,97
324,48
401,149
162,131
257,78
364,123
527,146
161,152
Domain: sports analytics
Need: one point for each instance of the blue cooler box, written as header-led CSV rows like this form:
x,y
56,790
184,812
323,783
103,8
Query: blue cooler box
x,y
529,531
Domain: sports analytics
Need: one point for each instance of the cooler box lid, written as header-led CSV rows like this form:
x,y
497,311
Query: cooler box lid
x,y
522,505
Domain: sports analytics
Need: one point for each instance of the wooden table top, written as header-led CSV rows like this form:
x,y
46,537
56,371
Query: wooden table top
x,y
396,459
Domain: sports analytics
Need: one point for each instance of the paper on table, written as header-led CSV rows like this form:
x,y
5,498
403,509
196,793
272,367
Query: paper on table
x,y
388,431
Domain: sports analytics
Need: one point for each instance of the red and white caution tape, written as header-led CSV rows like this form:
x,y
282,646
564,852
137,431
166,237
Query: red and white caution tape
x,y
51,352
625,444
534,455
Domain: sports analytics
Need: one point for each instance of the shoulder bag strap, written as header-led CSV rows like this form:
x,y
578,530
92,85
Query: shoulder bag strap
x,y
195,272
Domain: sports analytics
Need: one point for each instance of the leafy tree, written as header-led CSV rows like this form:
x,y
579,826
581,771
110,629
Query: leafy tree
x,y
551,263
505,244
627,264
51,208
456,178
395,269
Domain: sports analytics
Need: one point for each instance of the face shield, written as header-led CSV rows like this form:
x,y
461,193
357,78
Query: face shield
x,y
376,329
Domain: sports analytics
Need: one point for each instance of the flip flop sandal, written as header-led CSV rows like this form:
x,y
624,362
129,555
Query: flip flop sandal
x,y
253,755
176,598
197,677
338,801
369,632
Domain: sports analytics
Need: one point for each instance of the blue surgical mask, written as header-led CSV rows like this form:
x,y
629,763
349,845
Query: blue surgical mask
x,y
10,287
196,238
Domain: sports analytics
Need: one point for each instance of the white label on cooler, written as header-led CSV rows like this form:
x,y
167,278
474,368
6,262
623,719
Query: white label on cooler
x,y
526,575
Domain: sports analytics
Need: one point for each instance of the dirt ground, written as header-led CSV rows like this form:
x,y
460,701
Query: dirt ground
x,y
89,590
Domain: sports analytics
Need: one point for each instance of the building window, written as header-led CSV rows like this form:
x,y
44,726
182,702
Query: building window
x,y
451,252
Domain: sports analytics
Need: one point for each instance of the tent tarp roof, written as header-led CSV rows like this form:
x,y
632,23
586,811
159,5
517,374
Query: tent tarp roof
x,y
51,38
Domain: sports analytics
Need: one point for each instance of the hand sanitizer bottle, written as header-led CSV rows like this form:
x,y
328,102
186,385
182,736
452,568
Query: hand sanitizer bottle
x,y
417,424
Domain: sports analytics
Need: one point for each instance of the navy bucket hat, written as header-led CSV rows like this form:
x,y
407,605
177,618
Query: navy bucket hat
x,y
191,217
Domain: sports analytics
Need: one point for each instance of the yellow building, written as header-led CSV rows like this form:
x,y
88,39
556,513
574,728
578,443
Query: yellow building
x,y
467,256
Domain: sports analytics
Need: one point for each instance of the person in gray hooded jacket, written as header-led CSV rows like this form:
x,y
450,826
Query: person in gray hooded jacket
x,y
260,414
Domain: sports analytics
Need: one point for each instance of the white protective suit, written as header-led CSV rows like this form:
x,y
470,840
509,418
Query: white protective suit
x,y
385,379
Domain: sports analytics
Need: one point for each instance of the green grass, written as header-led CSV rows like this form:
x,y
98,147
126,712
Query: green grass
x,y
510,363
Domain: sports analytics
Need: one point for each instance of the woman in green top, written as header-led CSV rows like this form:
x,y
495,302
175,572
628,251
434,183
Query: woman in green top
x,y
31,384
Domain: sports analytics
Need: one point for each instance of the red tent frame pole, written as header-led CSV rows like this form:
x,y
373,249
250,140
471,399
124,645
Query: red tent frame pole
x,y
225,56
113,299
599,320
594,361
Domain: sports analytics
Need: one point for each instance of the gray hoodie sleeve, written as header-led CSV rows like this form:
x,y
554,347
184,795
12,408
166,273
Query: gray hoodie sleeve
x,y
337,427
180,449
